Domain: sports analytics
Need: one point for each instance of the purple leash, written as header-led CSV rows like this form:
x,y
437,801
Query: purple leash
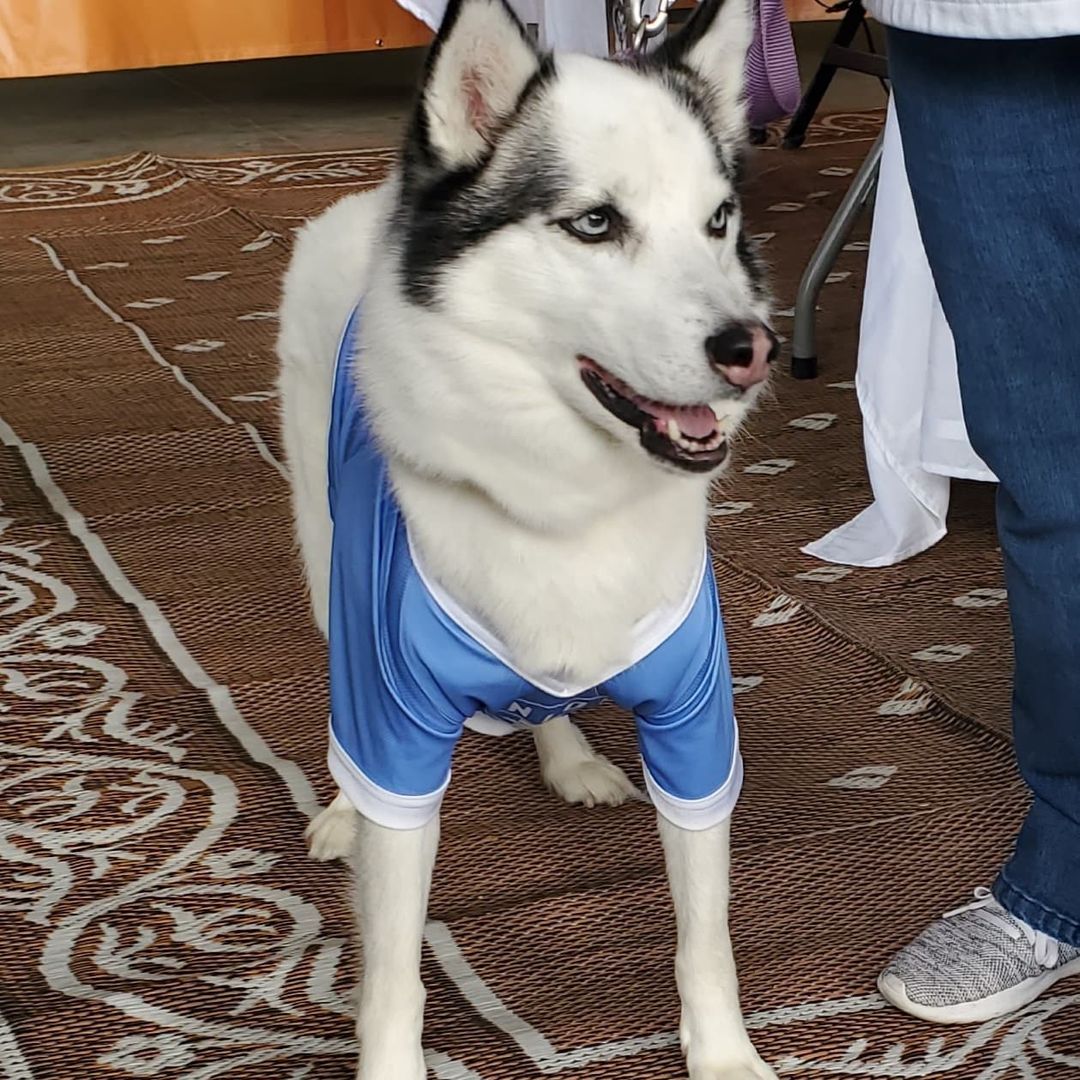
x,y
773,87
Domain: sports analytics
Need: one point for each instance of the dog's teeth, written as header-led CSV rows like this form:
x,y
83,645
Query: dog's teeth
x,y
673,432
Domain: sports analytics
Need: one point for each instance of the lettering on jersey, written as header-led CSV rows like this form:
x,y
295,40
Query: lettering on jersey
x,y
528,713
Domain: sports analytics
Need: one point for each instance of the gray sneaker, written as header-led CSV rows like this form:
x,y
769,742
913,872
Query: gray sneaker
x,y
975,964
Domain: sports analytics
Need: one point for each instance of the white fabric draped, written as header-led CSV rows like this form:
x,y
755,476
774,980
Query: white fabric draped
x,y
914,432
566,25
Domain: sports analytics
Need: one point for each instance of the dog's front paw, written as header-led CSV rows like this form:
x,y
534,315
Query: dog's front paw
x,y
747,1070
390,1069
730,1058
394,1055
594,781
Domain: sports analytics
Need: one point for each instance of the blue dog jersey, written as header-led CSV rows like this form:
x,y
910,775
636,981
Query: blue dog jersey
x,y
408,667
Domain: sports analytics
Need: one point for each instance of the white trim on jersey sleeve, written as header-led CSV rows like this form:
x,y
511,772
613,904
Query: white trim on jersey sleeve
x,y
385,808
698,814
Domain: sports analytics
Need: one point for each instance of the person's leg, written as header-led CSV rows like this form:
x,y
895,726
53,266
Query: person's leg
x,y
991,134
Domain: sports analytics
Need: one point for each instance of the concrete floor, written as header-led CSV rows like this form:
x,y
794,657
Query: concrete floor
x,y
259,106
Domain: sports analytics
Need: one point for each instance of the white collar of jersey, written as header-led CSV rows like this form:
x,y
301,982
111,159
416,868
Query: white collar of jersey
x,y
649,632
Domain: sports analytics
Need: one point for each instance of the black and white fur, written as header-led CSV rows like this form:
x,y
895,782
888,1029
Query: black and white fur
x,y
537,509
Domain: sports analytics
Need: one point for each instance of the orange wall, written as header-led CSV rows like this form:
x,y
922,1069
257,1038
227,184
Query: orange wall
x,y
53,37
808,11
50,37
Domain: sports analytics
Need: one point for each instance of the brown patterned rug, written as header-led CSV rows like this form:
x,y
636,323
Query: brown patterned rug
x,y
163,698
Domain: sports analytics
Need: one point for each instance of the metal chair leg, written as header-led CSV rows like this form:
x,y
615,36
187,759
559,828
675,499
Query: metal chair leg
x,y
804,360
823,77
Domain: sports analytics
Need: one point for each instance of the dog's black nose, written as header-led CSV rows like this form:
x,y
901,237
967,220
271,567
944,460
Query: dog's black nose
x,y
731,347
742,352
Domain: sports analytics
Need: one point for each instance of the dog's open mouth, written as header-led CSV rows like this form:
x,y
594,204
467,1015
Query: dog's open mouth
x,y
687,436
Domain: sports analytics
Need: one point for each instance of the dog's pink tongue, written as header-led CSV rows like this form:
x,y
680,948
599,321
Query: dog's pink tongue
x,y
696,421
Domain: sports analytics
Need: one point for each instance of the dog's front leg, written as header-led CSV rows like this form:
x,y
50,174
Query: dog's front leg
x,y
713,1036
392,880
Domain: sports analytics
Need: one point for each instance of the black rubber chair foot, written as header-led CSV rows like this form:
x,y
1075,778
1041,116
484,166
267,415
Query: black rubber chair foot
x,y
804,367
793,142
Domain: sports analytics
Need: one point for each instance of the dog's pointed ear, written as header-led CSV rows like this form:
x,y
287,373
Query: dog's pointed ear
x,y
713,45
480,63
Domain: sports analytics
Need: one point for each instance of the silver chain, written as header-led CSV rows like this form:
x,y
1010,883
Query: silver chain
x,y
638,27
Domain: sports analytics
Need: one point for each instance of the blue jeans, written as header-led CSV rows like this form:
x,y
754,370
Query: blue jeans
x,y
991,135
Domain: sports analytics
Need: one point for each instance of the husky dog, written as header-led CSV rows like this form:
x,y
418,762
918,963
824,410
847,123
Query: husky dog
x,y
554,325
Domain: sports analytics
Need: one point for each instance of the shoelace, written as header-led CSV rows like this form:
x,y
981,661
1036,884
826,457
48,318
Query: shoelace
x,y
986,908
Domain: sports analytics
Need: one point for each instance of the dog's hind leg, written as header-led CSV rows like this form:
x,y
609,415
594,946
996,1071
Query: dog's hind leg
x,y
713,1035
575,771
332,833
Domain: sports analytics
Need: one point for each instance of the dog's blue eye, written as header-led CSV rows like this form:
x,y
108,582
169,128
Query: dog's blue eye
x,y
718,223
594,225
